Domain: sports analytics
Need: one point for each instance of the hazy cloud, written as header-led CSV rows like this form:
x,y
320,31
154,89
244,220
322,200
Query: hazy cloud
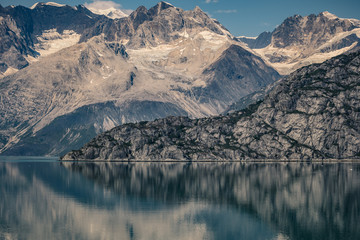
x,y
102,5
227,11
210,1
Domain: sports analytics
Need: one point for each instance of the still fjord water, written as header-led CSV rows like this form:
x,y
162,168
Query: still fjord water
x,y
46,199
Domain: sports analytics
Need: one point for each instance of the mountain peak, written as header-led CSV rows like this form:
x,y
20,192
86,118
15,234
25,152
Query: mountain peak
x,y
112,12
165,4
328,15
160,7
198,9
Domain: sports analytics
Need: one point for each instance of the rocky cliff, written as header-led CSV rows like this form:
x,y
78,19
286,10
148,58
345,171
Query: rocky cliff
x,y
313,113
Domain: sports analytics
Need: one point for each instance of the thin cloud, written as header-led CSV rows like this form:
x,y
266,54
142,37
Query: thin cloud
x,y
211,1
228,11
103,5
265,24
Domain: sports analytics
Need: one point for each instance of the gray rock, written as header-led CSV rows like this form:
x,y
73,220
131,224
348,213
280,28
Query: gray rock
x,y
313,113
263,40
20,26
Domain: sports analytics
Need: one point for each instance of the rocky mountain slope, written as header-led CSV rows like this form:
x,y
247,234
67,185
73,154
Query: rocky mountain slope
x,y
313,113
300,41
155,63
26,33
261,41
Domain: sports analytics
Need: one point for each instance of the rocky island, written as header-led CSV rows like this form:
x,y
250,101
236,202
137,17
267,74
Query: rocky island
x,y
312,113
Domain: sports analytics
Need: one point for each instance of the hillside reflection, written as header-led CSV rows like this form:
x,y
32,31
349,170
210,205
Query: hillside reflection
x,y
179,201
303,201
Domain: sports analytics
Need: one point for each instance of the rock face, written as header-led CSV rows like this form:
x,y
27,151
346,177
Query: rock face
x,y
229,80
263,40
162,23
300,41
90,78
21,27
313,113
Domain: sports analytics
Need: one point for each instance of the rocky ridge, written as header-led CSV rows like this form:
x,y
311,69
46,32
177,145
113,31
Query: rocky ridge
x,y
160,24
22,30
300,41
313,113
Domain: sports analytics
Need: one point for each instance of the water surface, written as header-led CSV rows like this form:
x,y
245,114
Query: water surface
x,y
46,199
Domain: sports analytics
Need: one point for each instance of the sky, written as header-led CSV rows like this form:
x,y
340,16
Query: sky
x,y
241,18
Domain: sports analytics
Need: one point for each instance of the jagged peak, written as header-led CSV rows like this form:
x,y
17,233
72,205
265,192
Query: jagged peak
x,y
160,7
165,4
198,9
141,9
294,17
328,15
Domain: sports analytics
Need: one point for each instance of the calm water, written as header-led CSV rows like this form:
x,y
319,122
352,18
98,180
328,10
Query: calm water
x,y
44,199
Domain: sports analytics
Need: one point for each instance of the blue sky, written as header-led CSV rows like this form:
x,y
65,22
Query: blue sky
x,y
248,18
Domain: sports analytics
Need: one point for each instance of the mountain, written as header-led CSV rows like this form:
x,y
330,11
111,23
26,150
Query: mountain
x,y
312,113
160,24
112,12
261,41
300,41
27,33
89,78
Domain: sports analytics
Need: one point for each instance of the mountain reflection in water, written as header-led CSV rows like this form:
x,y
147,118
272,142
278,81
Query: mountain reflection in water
x,y
179,201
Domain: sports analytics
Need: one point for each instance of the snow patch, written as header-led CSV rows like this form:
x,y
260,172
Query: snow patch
x,y
212,41
184,34
9,71
34,6
254,38
110,12
54,4
295,54
50,41
108,123
168,3
329,15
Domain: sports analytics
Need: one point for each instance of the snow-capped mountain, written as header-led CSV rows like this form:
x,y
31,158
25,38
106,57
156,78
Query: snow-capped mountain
x,y
29,33
112,12
300,41
95,73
